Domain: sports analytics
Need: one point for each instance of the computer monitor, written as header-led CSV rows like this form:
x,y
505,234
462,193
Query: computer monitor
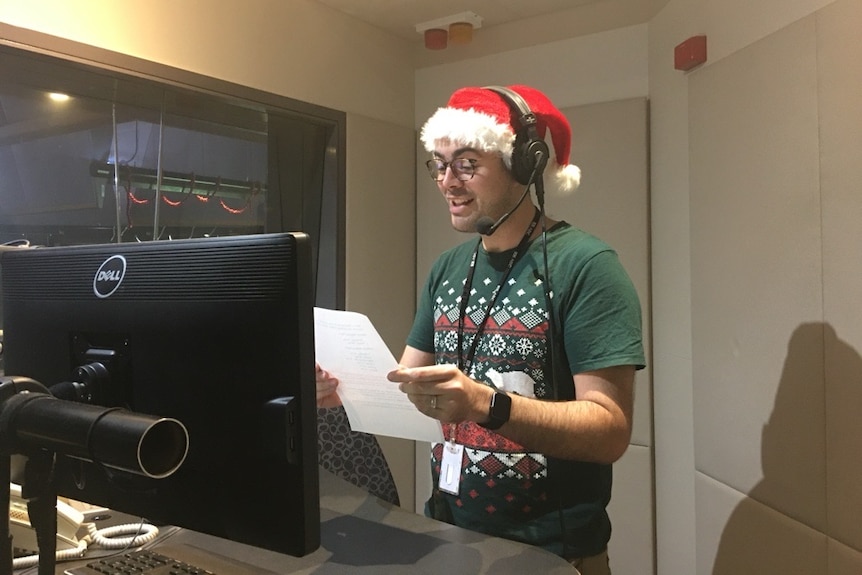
x,y
214,332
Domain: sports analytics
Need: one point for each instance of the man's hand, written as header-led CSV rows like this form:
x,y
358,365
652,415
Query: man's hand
x,y
326,385
444,392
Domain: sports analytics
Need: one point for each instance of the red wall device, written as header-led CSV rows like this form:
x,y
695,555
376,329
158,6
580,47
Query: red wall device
x,y
690,53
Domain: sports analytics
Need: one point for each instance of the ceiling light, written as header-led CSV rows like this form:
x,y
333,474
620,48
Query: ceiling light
x,y
460,32
457,29
436,38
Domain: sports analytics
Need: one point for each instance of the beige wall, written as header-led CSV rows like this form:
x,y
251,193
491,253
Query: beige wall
x,y
756,278
379,253
295,48
612,202
776,349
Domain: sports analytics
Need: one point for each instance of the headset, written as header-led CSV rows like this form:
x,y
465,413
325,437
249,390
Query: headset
x,y
528,161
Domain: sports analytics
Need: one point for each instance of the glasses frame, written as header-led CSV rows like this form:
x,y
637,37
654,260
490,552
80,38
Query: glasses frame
x,y
437,168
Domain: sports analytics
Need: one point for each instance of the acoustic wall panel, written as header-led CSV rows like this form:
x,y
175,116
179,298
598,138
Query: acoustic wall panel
x,y
777,372
840,95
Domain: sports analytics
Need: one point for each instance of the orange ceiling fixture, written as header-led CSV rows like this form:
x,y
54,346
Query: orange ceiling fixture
x,y
436,38
456,29
460,32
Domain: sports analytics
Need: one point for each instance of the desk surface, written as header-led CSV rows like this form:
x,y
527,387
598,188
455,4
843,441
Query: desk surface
x,y
362,534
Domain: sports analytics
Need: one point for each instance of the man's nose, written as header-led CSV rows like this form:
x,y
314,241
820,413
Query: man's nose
x,y
450,179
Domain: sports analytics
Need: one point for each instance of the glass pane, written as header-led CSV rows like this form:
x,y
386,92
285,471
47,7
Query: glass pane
x,y
45,153
186,178
142,156
187,164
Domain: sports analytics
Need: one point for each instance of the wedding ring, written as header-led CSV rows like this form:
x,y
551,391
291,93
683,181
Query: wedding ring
x,y
433,402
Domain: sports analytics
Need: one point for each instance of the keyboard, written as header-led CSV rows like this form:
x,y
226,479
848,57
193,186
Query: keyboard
x,y
143,562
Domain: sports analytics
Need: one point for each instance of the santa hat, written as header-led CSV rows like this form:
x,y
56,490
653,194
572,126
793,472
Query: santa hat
x,y
483,119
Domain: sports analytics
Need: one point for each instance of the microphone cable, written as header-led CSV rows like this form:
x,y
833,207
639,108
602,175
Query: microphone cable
x,y
485,226
553,355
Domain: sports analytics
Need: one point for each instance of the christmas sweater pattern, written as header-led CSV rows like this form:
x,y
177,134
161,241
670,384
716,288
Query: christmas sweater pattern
x,y
505,489
500,481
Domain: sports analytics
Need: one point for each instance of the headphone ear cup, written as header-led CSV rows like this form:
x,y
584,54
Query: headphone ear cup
x,y
525,152
522,164
529,149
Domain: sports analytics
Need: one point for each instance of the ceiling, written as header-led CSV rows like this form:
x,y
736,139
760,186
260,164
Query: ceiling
x,y
506,24
400,17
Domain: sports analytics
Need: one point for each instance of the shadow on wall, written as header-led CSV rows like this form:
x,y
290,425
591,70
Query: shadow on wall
x,y
773,528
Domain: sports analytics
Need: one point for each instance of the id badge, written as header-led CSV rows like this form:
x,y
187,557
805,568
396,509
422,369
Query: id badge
x,y
450,467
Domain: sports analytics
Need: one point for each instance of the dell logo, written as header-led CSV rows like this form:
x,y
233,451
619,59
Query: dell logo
x,y
109,276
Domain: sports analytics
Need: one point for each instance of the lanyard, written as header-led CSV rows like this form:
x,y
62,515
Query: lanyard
x,y
463,361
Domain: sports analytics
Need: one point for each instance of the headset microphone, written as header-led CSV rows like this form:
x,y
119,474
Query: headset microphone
x,y
486,226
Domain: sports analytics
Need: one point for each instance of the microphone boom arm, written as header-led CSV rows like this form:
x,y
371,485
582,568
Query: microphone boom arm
x,y
486,226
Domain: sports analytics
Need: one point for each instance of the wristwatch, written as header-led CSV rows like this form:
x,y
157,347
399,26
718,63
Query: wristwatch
x,y
499,411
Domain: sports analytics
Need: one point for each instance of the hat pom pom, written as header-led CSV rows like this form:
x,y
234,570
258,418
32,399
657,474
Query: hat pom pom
x,y
568,178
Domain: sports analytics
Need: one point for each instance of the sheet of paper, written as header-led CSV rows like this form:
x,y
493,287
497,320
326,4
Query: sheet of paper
x,y
348,346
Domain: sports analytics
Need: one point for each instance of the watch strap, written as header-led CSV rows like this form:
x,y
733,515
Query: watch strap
x,y
499,411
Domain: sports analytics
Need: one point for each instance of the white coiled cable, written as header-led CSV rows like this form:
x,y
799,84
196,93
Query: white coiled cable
x,y
137,534
62,555
109,537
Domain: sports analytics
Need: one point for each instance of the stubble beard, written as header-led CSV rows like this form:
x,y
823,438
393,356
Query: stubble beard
x,y
465,225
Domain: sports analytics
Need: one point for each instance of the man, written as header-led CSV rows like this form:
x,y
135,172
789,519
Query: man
x,y
528,453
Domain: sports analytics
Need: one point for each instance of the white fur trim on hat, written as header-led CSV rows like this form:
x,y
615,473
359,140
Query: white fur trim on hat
x,y
469,128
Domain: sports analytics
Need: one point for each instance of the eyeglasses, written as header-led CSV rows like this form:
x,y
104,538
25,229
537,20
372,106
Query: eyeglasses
x,y
463,168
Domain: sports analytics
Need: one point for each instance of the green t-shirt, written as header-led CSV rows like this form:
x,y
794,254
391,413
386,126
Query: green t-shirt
x,y
504,490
